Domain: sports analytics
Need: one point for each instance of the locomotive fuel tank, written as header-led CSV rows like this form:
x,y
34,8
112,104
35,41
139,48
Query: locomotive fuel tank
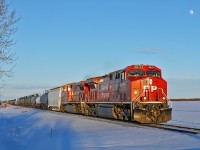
x,y
105,110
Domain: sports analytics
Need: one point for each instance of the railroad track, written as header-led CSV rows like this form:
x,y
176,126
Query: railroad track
x,y
176,128
169,127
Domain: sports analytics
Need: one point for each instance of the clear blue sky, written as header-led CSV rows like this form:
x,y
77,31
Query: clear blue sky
x,y
63,41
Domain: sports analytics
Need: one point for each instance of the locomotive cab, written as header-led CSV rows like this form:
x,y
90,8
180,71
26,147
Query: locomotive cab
x,y
149,102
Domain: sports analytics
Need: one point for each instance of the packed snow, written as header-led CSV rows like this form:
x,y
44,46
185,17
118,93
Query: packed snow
x,y
32,129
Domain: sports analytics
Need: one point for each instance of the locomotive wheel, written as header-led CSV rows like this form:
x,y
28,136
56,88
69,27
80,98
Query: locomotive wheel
x,y
114,113
77,109
62,109
86,109
117,112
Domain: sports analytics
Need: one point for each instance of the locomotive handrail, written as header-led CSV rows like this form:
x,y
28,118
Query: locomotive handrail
x,y
168,100
164,94
138,96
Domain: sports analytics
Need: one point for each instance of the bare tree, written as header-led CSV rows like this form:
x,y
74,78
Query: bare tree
x,y
8,20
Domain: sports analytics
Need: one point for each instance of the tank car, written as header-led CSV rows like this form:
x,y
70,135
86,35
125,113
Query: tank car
x,y
42,101
33,100
12,102
21,101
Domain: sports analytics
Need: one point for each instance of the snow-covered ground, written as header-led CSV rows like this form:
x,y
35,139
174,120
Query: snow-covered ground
x,y
32,129
186,113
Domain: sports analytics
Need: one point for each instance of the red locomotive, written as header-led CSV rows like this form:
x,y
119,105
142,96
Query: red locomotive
x,y
136,93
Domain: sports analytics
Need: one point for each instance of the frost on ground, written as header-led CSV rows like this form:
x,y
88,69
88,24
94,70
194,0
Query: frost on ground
x,y
31,129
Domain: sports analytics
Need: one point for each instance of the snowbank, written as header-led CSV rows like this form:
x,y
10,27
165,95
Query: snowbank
x,y
32,129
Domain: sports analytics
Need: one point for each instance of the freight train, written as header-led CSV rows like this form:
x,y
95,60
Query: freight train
x,y
135,93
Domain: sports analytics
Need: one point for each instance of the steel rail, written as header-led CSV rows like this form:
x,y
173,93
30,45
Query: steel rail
x,y
176,128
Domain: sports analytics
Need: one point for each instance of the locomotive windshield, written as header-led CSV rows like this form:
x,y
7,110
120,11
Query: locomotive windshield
x,y
136,73
153,73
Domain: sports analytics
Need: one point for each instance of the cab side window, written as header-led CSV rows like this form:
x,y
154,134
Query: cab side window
x,y
123,75
117,75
